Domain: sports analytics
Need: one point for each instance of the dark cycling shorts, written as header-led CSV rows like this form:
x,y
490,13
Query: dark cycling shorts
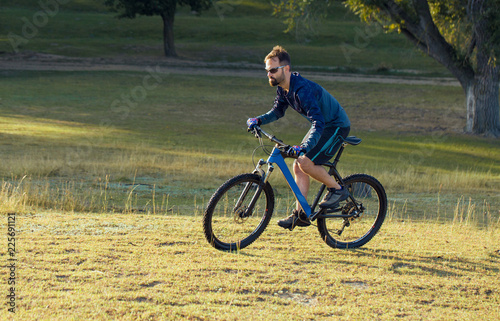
x,y
327,145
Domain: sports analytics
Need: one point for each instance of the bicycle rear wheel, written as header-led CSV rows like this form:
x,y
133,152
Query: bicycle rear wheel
x,y
229,224
368,203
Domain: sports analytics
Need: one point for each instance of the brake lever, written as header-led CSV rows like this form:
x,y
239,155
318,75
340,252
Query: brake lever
x,y
284,149
257,133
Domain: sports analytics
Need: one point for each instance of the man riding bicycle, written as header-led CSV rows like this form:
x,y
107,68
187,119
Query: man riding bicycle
x,y
329,122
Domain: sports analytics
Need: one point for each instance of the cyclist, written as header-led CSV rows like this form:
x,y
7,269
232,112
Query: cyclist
x,y
329,122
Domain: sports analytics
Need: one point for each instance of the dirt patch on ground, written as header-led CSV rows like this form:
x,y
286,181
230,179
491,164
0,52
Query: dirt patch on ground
x,y
39,61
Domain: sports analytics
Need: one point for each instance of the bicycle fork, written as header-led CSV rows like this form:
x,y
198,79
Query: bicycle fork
x,y
264,177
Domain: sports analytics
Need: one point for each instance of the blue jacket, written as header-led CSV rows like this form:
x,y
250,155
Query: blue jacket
x,y
311,101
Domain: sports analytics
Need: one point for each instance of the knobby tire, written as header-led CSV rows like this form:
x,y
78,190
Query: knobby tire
x,y
224,227
359,230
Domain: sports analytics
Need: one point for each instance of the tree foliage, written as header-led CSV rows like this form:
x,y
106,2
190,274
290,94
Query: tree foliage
x,y
456,20
301,16
462,35
164,8
131,8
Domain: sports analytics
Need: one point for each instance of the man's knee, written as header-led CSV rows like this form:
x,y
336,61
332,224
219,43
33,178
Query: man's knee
x,y
304,163
297,169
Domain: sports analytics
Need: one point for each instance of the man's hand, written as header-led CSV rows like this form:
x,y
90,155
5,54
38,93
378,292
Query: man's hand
x,y
295,151
252,122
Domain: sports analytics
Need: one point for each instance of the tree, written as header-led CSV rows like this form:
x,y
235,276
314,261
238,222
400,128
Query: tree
x,y
300,16
164,8
462,35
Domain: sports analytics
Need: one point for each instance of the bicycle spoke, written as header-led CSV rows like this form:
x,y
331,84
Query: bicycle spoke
x,y
229,223
365,212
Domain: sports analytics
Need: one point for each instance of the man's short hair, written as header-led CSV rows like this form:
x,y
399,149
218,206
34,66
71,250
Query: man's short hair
x,y
280,53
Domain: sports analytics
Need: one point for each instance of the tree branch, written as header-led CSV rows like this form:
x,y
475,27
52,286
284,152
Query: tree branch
x,y
422,31
471,46
416,41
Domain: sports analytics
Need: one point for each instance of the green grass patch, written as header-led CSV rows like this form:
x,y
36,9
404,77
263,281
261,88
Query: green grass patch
x,y
229,32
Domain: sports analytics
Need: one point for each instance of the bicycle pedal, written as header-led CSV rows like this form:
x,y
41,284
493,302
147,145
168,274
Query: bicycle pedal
x,y
290,228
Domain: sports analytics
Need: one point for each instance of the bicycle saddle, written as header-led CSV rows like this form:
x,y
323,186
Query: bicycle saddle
x,y
352,140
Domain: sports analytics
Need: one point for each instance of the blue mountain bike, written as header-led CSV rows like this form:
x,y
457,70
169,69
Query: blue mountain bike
x,y
240,210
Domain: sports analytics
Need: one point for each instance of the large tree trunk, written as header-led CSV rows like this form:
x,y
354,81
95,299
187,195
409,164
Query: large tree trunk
x,y
481,83
483,106
168,34
482,92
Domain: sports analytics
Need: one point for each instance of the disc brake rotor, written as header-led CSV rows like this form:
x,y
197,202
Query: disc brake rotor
x,y
239,214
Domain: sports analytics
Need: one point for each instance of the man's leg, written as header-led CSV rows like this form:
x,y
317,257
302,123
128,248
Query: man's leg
x,y
317,172
302,180
335,192
297,218
304,168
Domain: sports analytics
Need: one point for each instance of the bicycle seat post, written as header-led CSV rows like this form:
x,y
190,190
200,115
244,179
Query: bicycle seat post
x,y
339,153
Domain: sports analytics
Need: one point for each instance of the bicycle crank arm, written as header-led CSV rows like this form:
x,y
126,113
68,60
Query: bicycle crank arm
x,y
324,213
335,216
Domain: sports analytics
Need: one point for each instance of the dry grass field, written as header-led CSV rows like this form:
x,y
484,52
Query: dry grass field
x,y
147,267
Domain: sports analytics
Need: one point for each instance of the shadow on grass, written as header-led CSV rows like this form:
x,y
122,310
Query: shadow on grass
x,y
439,265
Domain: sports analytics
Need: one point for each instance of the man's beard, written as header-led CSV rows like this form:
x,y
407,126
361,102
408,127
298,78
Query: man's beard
x,y
273,82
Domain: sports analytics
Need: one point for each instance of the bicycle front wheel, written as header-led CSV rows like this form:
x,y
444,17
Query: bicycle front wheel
x,y
230,221
366,208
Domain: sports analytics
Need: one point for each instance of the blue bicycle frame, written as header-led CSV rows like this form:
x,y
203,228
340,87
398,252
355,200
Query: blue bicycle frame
x,y
276,157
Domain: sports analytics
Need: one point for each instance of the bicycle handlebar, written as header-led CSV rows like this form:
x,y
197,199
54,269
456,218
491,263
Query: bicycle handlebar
x,y
258,131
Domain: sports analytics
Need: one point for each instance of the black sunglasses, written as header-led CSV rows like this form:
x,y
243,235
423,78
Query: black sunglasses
x,y
275,70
